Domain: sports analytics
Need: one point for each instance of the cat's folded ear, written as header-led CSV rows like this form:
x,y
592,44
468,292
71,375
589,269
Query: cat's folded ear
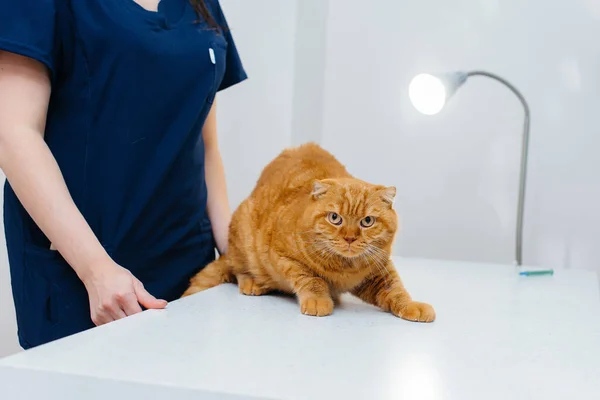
x,y
319,189
388,195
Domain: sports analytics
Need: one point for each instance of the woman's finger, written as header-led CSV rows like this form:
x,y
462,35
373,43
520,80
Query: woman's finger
x,y
118,314
130,305
145,298
101,318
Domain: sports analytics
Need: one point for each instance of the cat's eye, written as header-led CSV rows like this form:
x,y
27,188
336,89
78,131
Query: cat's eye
x,y
367,222
334,218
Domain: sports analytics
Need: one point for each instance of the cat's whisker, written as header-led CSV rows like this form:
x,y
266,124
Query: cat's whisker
x,y
314,251
326,254
304,249
311,231
384,263
364,258
380,252
372,260
374,253
330,254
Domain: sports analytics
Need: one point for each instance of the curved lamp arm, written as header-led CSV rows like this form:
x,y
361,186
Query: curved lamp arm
x,y
524,156
429,93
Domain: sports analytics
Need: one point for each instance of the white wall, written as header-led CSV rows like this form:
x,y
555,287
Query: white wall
x,y
255,118
309,72
457,172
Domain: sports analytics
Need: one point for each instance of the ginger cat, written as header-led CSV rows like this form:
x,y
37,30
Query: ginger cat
x,y
310,229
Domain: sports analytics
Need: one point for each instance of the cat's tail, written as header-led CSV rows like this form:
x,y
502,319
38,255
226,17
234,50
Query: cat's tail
x,y
212,275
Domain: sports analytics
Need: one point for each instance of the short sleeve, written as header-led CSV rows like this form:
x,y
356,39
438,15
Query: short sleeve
x,y
234,70
27,28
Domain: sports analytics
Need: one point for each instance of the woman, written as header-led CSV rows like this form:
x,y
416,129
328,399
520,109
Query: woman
x,y
116,192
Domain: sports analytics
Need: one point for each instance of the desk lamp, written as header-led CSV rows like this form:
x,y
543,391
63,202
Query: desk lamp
x,y
429,93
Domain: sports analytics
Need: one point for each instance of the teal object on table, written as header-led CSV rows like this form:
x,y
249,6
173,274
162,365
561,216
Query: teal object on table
x,y
541,272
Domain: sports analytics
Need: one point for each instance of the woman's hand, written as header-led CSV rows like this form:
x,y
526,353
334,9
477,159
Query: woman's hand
x,y
115,293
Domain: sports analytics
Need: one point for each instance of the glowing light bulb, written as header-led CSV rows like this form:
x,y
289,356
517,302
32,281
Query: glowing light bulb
x,y
427,94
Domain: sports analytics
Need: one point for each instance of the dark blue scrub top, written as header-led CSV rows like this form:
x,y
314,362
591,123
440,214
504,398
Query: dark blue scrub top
x,y
131,90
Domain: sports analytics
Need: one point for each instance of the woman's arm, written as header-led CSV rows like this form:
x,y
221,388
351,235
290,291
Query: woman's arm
x,y
31,168
218,203
35,177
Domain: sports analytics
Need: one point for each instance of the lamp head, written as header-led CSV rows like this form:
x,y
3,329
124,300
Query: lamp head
x,y
429,93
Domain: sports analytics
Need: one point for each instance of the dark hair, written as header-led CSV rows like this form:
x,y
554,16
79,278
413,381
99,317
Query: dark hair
x,y
204,13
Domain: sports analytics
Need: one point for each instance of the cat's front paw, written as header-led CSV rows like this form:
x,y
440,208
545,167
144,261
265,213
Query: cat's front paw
x,y
414,311
316,306
249,287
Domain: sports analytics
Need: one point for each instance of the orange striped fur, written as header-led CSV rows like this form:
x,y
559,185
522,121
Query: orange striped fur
x,y
311,229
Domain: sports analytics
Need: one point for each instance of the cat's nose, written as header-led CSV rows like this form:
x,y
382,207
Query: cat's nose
x,y
350,240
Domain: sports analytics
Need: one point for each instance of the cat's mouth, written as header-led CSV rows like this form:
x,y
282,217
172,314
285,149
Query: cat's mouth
x,y
349,251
